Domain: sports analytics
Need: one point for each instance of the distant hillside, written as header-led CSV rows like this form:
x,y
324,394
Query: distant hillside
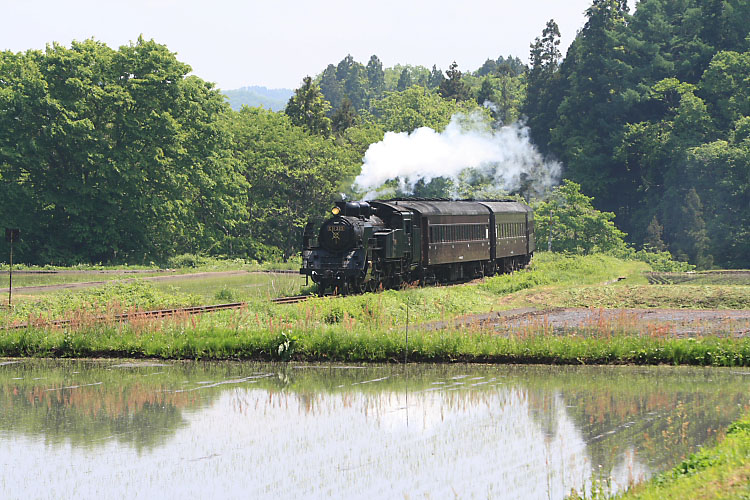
x,y
274,99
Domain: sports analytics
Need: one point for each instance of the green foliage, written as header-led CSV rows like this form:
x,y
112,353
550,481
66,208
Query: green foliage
x,y
307,108
187,260
414,108
645,112
486,92
293,177
567,222
225,295
541,100
113,155
662,261
654,233
404,81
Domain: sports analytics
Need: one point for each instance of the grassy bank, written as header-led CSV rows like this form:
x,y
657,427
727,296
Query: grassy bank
x,y
194,338
373,327
716,473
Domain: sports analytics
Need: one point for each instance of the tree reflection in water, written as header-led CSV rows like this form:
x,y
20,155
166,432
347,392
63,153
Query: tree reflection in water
x,y
498,431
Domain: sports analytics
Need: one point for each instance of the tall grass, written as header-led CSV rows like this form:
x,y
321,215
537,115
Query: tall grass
x,y
245,335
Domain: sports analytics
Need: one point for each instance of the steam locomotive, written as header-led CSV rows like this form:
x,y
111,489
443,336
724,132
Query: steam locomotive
x,y
366,246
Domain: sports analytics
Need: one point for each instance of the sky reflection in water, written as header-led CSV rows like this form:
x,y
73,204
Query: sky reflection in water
x,y
114,429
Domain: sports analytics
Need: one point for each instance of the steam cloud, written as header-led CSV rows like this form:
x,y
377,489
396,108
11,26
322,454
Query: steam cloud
x,y
505,157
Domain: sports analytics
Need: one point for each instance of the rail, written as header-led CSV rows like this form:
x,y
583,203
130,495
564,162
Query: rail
x,y
160,313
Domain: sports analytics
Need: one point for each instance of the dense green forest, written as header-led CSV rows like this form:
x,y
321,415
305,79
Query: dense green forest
x,y
120,155
650,113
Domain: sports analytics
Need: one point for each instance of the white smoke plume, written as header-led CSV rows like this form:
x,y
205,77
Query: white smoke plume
x,y
505,158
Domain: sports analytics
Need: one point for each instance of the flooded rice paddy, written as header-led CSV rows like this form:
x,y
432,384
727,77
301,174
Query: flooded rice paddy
x,y
134,429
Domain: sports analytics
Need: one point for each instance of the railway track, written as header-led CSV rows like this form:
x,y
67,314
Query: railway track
x,y
160,313
291,300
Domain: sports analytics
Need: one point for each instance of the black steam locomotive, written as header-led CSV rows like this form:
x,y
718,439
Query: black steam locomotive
x,y
384,244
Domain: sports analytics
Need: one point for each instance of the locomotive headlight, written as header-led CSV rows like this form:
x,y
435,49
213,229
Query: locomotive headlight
x,y
336,210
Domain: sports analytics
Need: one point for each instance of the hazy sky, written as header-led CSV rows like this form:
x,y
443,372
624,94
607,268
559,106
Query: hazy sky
x,y
277,43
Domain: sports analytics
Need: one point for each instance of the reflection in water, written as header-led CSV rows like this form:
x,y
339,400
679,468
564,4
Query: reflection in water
x,y
108,429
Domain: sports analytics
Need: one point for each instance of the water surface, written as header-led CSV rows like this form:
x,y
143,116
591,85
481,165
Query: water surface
x,y
114,429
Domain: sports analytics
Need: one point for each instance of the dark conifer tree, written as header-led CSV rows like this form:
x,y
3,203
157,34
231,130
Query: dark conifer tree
x,y
452,87
654,232
344,117
375,77
436,78
485,92
343,68
307,108
404,81
544,83
331,88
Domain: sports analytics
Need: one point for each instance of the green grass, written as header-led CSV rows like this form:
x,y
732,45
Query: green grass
x,y
716,473
182,262
245,334
372,327
23,280
665,296
236,288
734,277
112,298
381,310
140,294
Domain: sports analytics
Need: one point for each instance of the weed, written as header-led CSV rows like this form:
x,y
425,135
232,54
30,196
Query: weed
x,y
225,295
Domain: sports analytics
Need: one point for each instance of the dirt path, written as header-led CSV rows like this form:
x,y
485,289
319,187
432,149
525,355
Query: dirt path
x,y
86,284
662,322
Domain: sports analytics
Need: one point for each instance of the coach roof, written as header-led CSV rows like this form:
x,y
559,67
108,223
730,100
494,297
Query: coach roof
x,y
436,207
500,207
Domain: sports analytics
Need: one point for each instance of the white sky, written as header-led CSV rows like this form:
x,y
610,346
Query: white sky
x,y
277,43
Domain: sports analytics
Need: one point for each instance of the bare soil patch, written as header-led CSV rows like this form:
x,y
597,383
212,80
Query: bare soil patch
x,y
660,322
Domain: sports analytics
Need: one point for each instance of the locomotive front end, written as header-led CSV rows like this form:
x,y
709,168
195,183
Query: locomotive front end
x,y
339,257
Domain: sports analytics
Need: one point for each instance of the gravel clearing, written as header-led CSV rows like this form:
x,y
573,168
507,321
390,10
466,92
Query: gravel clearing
x,y
659,322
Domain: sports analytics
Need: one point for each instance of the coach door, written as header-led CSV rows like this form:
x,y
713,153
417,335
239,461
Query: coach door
x,y
527,233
